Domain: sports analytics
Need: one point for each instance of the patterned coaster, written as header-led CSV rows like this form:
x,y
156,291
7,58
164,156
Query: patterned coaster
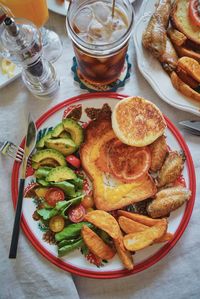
x,y
120,82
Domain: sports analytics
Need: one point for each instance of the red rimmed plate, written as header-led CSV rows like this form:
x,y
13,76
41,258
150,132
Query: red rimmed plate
x,y
75,261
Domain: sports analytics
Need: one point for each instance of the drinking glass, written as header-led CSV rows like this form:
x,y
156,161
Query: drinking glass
x,y
37,12
100,39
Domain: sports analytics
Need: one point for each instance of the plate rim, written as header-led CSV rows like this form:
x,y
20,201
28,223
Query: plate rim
x,y
115,273
143,15
61,13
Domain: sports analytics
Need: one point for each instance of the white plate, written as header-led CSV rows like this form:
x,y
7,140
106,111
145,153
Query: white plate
x,y
5,79
153,72
59,8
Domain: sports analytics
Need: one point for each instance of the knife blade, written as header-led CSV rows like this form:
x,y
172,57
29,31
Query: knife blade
x,y
30,142
192,125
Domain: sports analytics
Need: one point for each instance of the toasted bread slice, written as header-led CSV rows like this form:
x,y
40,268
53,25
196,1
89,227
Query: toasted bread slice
x,y
184,88
109,197
181,21
137,122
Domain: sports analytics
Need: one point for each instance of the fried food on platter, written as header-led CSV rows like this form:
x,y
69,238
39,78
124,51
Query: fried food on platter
x,y
177,37
140,240
130,226
137,122
184,88
171,169
138,218
188,52
104,221
96,245
182,22
155,37
125,255
158,150
109,197
168,200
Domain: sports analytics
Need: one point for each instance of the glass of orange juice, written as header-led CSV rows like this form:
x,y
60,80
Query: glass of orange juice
x,y
37,12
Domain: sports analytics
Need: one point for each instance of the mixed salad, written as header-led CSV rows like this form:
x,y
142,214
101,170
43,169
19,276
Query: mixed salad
x,y
61,190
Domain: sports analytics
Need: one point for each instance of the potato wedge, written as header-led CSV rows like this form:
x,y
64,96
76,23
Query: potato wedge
x,y
166,237
130,226
96,245
104,221
139,218
140,240
124,255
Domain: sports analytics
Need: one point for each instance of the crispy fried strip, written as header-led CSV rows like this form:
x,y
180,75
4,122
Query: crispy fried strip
x,y
139,218
131,226
124,254
96,245
166,237
104,221
140,240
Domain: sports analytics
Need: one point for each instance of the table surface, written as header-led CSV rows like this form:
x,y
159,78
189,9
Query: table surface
x,y
30,275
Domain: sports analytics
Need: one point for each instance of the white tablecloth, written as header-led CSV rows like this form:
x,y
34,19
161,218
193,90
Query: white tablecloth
x,y
30,275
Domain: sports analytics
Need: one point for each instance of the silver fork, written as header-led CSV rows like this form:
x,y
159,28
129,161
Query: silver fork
x,y
8,148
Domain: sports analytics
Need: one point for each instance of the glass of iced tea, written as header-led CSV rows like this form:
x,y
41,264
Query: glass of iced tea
x,y
100,39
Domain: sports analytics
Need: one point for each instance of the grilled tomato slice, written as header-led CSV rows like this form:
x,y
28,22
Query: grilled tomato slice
x,y
128,163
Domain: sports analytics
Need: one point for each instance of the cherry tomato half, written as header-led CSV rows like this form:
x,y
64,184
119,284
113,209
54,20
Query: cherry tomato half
x,y
77,213
54,195
74,161
87,201
194,12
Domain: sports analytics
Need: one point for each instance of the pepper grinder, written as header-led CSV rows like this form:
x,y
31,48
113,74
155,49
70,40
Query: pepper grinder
x,y
22,42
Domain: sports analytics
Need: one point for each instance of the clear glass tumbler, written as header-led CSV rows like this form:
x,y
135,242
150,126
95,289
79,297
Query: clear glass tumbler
x,y
100,39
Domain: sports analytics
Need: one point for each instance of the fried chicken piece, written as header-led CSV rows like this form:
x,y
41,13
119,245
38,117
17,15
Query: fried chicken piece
x,y
155,37
171,169
158,153
168,200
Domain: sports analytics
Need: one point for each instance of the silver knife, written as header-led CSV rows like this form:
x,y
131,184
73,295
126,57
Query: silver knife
x,y
192,125
29,146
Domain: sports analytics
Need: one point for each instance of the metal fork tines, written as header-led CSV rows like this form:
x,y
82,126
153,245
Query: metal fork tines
x,y
10,149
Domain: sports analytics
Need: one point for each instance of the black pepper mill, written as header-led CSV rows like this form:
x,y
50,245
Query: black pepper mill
x,y
21,41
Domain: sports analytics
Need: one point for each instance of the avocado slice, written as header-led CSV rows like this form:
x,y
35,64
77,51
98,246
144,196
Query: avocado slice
x,y
46,162
65,134
75,130
57,130
42,157
63,145
60,174
42,172
43,183
40,143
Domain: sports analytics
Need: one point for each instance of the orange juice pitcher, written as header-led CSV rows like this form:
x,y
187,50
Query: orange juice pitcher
x,y
33,10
